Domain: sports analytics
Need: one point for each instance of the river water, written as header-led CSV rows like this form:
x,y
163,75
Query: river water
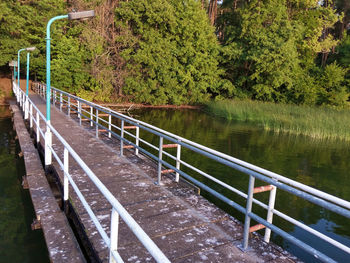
x,y
18,243
321,164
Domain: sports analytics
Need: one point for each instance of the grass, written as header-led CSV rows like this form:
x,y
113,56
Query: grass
x,y
316,122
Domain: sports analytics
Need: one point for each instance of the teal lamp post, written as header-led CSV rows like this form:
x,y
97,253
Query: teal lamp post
x,y
27,84
71,16
26,107
18,65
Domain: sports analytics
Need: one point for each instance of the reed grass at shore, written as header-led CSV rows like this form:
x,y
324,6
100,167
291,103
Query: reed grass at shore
x,y
316,122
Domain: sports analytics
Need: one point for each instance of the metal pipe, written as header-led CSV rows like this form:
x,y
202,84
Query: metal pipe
x,y
247,211
114,234
66,171
160,154
269,216
121,136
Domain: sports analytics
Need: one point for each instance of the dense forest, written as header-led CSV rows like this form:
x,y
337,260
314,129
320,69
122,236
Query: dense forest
x,y
188,51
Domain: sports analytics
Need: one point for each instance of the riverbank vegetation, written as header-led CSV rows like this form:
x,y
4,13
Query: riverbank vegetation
x,y
188,52
316,122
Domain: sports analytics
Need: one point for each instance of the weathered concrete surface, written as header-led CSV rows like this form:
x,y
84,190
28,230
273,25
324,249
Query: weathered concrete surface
x,y
185,226
60,240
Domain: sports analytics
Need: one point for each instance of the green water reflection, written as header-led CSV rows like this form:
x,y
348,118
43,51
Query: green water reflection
x,y
320,164
18,243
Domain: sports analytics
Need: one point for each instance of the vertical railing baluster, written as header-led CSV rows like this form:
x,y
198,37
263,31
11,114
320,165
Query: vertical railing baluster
x,y
68,106
65,181
31,116
114,234
96,123
121,138
137,140
178,158
109,124
269,217
91,116
37,127
79,110
60,101
26,107
247,211
160,155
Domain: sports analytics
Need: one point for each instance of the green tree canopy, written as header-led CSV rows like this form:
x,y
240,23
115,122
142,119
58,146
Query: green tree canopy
x,y
171,52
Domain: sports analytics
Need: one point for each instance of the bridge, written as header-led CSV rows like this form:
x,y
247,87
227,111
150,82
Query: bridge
x,y
129,200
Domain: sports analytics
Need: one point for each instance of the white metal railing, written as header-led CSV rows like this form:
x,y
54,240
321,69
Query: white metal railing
x,y
93,113
34,115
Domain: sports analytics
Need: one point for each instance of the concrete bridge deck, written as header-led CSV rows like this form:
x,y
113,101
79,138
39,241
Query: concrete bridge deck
x,y
185,226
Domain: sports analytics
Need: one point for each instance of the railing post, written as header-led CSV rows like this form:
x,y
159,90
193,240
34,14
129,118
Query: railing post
x,y
247,211
21,97
37,127
121,138
60,101
48,144
68,106
178,158
24,102
96,123
109,125
66,170
160,155
137,140
31,116
79,112
91,116
114,234
26,107
270,213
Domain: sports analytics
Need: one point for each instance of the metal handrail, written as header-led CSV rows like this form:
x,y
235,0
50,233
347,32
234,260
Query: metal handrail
x,y
276,176
117,208
318,197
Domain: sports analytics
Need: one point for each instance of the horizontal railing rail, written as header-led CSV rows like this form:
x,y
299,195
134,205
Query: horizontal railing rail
x,y
94,114
34,115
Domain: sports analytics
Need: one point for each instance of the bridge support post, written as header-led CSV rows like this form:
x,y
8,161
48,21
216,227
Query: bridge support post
x,y
247,211
61,101
65,181
137,140
160,159
109,125
96,123
37,127
48,145
114,235
121,138
79,112
178,158
272,199
31,116
68,106
26,108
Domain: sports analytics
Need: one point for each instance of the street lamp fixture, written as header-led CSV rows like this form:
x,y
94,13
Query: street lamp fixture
x,y
30,48
81,15
18,66
71,16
